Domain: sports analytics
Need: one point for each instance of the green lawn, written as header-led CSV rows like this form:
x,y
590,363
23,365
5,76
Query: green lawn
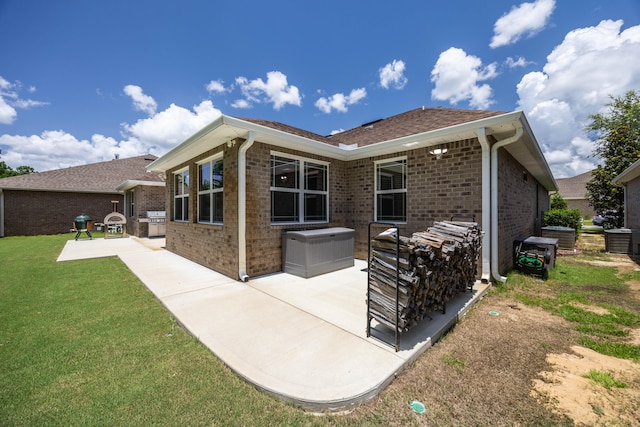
x,y
85,343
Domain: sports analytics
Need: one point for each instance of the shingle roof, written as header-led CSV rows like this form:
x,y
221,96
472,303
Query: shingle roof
x,y
404,124
410,123
101,177
291,130
574,187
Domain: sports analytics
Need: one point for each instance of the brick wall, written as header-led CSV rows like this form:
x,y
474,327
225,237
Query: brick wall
x,y
30,213
437,189
522,202
582,205
214,246
147,198
632,207
264,241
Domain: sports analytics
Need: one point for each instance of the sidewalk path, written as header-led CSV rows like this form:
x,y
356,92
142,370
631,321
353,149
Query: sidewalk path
x,y
302,340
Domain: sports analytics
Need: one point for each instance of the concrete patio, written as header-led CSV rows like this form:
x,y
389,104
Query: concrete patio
x,y
302,340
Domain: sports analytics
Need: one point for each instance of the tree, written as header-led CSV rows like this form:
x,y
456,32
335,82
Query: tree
x,y
6,170
560,215
24,170
558,202
617,139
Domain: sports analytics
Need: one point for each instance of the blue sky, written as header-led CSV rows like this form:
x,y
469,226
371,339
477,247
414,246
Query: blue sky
x,y
82,81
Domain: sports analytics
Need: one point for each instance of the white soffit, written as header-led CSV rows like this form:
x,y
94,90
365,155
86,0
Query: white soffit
x,y
226,128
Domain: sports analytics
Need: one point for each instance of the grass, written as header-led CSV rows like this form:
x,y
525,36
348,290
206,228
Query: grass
x,y
84,343
595,298
604,379
453,361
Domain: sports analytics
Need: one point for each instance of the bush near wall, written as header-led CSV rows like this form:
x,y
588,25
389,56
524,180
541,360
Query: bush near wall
x,y
564,218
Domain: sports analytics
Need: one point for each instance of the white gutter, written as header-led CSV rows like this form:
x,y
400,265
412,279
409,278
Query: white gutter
x,y
495,272
486,204
242,206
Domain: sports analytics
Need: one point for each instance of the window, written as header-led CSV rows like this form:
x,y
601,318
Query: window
x,y
391,190
132,202
210,191
299,190
181,196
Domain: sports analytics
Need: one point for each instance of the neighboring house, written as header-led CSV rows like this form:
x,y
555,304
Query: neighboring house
x,y
630,180
574,191
236,185
142,195
47,202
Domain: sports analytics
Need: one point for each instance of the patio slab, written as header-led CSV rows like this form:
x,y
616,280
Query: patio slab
x,y
302,340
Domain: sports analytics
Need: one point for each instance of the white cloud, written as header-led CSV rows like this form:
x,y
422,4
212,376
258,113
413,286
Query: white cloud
x,y
527,19
28,103
241,104
10,100
340,101
171,126
515,63
141,102
8,114
457,75
51,149
392,75
579,76
157,134
275,90
216,86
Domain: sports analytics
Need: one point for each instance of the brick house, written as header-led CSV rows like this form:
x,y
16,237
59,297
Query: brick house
x,y
47,202
574,191
630,180
412,169
141,195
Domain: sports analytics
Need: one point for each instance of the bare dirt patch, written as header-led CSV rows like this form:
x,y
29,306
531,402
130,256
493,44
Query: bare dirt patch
x,y
481,373
521,367
564,389
591,308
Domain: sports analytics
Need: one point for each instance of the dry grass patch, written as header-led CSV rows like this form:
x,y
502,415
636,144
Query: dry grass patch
x,y
481,373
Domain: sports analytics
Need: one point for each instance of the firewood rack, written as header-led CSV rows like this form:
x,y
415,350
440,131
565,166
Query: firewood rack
x,y
396,343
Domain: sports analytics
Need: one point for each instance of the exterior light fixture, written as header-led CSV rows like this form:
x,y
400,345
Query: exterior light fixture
x,y
438,152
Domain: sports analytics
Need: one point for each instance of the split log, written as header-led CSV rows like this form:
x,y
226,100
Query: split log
x,y
431,267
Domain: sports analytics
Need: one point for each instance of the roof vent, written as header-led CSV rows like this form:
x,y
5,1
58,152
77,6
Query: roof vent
x,y
369,125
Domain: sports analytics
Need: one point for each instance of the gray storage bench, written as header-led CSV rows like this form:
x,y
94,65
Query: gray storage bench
x,y
310,253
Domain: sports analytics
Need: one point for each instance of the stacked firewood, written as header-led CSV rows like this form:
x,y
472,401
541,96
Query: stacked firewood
x,y
433,266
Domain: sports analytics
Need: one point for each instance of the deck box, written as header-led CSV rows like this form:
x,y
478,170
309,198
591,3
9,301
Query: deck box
x,y
310,253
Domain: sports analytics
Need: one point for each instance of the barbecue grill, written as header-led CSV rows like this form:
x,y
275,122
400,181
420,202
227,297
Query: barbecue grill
x,y
83,222
157,224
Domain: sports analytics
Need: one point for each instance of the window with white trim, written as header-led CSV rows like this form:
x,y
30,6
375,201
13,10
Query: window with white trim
x,y
131,199
181,195
391,190
210,189
299,190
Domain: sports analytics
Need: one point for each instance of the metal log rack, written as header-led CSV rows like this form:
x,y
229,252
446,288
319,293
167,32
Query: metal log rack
x,y
396,343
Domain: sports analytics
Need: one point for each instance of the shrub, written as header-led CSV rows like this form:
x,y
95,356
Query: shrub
x,y
564,218
558,202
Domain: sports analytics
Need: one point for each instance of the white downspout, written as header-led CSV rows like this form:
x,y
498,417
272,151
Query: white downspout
x,y
242,206
495,272
486,204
